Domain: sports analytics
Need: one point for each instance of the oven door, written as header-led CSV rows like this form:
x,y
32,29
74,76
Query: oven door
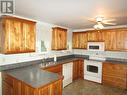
x,y
93,68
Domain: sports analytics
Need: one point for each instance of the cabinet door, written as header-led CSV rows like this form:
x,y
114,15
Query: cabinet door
x,y
45,91
28,38
81,69
83,40
110,40
75,41
121,39
7,89
8,42
63,39
59,38
17,88
95,36
56,88
78,69
115,75
79,40
17,35
12,40
75,70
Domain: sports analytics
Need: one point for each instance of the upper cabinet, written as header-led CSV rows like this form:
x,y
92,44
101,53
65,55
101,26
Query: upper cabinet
x,y
17,35
59,38
79,40
95,36
110,39
121,41
114,39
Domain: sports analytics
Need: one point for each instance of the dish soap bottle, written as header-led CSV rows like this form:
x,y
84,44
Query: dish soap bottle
x,y
55,58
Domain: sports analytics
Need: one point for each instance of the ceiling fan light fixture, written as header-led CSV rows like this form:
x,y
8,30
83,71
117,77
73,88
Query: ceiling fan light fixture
x,y
99,19
98,26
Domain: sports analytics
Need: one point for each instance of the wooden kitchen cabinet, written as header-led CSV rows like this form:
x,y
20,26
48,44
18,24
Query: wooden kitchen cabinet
x,y
95,36
56,88
110,40
17,35
12,86
79,40
115,39
28,37
54,69
115,75
78,69
75,40
7,89
121,39
59,38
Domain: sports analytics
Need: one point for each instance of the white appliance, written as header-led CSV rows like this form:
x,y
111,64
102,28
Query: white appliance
x,y
93,71
67,73
95,46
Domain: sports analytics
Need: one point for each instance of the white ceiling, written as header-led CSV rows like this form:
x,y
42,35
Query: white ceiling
x,y
72,13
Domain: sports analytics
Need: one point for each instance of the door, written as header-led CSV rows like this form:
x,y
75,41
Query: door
x,y
95,36
59,38
121,39
45,91
110,40
28,38
67,73
75,70
7,89
10,37
56,88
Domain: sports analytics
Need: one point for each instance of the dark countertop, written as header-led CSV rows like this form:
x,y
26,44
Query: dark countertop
x,y
34,76
60,60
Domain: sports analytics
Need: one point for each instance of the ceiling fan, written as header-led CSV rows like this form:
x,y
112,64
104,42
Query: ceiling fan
x,y
100,21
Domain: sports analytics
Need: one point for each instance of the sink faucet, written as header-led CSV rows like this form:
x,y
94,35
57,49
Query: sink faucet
x,y
43,60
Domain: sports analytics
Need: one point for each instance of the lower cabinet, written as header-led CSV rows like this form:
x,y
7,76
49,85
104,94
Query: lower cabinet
x,y
52,89
78,69
115,75
54,69
12,86
7,89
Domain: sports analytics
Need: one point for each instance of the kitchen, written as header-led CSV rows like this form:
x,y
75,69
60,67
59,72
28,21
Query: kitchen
x,y
52,59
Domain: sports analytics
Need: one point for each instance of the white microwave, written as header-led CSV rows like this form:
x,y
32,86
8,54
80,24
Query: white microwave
x,y
96,46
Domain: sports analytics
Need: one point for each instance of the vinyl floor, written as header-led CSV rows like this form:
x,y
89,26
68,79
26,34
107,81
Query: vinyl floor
x,y
83,87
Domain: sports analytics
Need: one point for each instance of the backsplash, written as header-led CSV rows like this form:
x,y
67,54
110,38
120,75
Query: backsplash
x,y
112,54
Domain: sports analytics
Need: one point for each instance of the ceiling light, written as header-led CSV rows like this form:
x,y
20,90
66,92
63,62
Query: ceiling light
x,y
98,26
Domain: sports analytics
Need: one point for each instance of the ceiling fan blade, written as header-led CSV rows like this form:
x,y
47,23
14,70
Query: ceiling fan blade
x,y
92,20
107,20
89,19
108,23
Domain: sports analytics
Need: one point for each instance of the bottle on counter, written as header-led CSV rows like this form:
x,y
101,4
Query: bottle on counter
x,y
55,58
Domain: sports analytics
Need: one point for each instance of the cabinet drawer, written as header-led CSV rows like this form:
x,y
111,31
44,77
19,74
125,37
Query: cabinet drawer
x,y
114,66
114,73
114,81
55,69
116,70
